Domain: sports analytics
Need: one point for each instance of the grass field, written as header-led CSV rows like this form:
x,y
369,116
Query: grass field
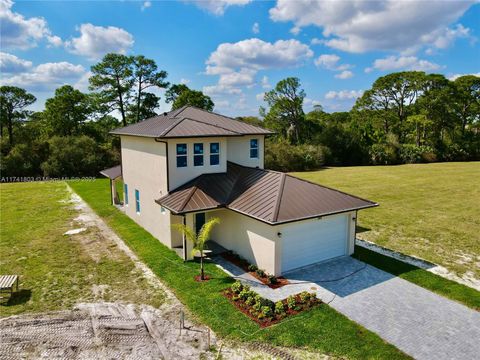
x,y
57,271
426,210
321,329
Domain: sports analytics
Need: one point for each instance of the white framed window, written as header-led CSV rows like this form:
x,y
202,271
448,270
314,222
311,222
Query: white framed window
x,y
182,155
253,148
214,153
198,154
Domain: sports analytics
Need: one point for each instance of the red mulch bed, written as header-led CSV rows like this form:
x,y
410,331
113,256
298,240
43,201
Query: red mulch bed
x,y
265,322
198,278
281,281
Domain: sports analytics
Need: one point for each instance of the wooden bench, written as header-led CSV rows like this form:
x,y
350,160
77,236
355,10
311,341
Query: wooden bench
x,y
7,282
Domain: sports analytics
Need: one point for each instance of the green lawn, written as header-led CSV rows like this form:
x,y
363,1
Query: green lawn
x,y
57,271
321,329
426,210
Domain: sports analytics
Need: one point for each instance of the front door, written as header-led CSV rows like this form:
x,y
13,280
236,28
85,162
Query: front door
x,y
199,221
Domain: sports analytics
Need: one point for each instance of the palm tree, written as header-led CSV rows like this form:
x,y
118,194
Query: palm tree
x,y
198,240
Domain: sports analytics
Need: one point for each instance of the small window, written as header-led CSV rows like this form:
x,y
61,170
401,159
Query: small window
x,y
125,190
137,201
198,154
254,149
214,153
181,155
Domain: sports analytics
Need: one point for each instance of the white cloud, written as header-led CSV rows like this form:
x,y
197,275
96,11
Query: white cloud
x,y
221,90
238,63
393,63
19,32
256,28
184,81
359,26
217,7
47,76
316,41
343,94
146,5
83,83
265,83
295,30
96,41
260,96
346,74
307,102
456,76
10,64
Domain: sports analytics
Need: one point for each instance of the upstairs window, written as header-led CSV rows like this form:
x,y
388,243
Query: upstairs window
x,y
125,190
137,201
214,153
254,149
198,154
181,155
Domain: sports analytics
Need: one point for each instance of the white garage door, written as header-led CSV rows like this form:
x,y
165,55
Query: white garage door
x,y
313,241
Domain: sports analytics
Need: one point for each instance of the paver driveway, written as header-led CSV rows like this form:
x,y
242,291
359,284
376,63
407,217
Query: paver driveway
x,y
420,323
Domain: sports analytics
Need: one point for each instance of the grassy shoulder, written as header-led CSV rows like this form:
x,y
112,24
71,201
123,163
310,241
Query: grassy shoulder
x,y
58,271
321,329
426,210
447,288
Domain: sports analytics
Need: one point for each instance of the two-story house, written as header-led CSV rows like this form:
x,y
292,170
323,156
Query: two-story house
x,y
188,165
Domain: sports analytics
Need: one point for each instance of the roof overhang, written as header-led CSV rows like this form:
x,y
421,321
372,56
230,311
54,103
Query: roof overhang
x,y
113,172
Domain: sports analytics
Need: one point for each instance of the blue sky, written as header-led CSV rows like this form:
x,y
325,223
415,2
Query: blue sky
x,y
234,50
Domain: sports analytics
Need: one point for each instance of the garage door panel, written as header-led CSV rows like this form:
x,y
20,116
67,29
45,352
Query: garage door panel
x,y
309,242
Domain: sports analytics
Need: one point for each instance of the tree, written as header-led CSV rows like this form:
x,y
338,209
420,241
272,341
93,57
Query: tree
x,y
13,101
66,112
174,92
146,75
193,98
198,240
113,81
466,102
286,108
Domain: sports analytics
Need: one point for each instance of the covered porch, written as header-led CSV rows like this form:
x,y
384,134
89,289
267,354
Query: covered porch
x,y
114,174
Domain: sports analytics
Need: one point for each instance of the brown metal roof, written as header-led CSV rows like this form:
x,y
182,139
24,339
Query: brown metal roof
x,y
269,196
113,172
190,121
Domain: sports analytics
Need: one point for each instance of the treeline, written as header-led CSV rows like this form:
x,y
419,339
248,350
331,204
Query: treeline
x,y
71,136
406,117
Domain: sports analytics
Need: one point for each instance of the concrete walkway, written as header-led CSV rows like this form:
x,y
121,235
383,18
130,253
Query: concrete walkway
x,y
417,321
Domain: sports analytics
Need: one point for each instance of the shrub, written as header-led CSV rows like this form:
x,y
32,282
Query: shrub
x,y
252,267
304,297
383,154
292,303
257,306
267,311
413,154
250,300
272,279
260,273
236,297
279,308
283,156
245,293
237,287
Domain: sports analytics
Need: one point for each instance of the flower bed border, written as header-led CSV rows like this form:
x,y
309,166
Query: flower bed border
x,y
243,264
266,322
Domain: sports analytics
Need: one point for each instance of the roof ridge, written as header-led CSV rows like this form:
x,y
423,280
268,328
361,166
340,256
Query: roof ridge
x,y
171,127
214,125
279,197
187,199
180,110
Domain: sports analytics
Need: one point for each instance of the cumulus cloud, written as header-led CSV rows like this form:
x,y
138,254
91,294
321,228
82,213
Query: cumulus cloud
x,y
346,74
217,89
237,64
47,76
330,62
260,96
265,83
19,32
360,26
256,28
146,5
295,30
217,7
184,81
11,64
394,63
96,41
343,94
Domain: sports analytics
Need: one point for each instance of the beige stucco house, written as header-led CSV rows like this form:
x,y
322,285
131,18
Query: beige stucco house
x,y
188,165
